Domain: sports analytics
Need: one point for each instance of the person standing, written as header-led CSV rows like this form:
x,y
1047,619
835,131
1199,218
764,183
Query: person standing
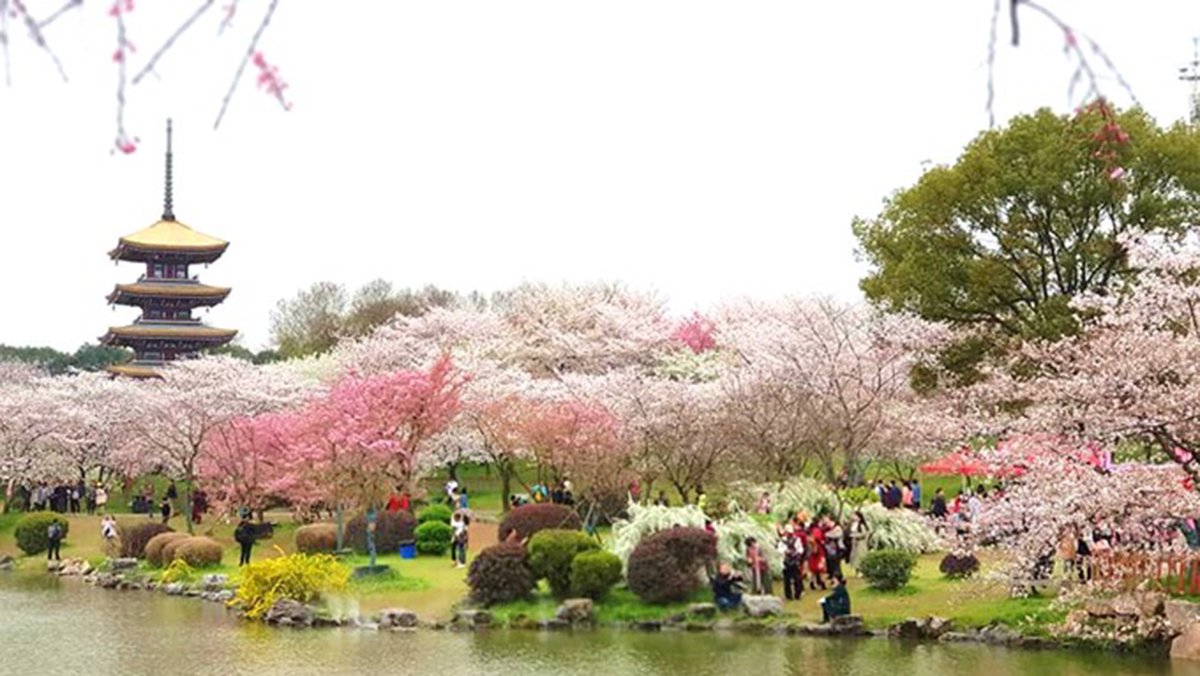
x,y
759,571
458,542
54,536
916,495
816,555
101,499
244,535
451,489
165,510
860,532
793,567
938,507
833,548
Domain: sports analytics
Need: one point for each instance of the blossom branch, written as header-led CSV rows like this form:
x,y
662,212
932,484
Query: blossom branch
x,y
230,10
4,42
170,42
250,51
123,142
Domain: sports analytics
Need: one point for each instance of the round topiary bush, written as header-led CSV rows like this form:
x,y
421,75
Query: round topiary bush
x,y
500,574
958,566
551,552
527,520
134,537
316,538
435,512
594,573
666,566
433,537
200,551
392,529
154,548
170,551
887,569
32,529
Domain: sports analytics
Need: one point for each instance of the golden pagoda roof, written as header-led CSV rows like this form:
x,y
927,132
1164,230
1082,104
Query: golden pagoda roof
x,y
170,236
172,289
182,330
134,371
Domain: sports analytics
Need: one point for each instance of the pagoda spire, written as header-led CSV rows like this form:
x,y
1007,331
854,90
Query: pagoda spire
x,y
168,210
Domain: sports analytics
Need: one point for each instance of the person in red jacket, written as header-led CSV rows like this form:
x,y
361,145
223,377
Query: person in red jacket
x,y
816,555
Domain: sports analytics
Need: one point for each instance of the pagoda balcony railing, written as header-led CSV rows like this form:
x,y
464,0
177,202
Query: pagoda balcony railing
x,y
181,322
194,279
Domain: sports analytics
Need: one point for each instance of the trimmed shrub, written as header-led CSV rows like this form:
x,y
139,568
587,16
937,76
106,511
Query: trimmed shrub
x,y
154,548
666,566
392,529
958,566
594,573
316,538
887,569
551,552
435,512
433,537
527,520
200,551
30,531
500,574
134,537
170,551
300,577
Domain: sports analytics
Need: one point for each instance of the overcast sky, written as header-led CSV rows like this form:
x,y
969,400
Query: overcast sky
x,y
701,149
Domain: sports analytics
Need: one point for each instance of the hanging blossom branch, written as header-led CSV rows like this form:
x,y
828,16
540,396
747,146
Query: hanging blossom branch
x,y
227,22
170,42
4,42
1072,45
118,11
260,63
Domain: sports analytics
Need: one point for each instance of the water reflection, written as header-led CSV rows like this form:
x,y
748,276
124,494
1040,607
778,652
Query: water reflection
x,y
50,626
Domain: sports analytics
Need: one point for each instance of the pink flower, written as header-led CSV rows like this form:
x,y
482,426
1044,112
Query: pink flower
x,y
1117,173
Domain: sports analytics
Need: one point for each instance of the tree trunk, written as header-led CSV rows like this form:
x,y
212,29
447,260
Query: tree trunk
x,y
505,486
258,514
341,530
452,469
187,506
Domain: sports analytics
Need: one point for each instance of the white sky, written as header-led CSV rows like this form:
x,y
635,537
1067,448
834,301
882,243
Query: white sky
x,y
703,149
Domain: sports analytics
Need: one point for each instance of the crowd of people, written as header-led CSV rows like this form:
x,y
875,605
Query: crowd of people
x,y
63,497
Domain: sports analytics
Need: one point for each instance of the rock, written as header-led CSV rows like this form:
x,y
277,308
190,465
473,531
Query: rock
x,y
907,629
1099,608
108,580
1036,643
762,606
576,611
329,621
293,611
724,624
53,566
192,592
173,589
999,635
648,625
705,610
1139,604
846,625
933,627
7,558
554,624
8,564
367,626
958,637
398,617
674,620
1186,646
72,567
811,629
214,581
698,626
1179,614
117,565
471,619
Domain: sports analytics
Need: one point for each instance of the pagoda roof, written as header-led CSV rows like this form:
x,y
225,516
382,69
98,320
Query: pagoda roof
x,y
169,236
134,370
168,289
182,330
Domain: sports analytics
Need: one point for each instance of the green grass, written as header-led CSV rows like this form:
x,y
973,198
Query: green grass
x,y
620,606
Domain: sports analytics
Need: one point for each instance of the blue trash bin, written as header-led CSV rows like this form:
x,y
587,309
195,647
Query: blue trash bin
x,y
408,550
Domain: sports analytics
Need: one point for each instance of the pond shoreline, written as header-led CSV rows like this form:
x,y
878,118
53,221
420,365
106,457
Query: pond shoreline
x,y
290,614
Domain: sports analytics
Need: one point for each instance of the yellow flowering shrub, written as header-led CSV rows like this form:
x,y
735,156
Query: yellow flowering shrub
x,y
300,577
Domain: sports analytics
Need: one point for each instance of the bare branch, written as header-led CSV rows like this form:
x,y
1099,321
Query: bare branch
x,y
4,42
35,34
170,42
68,5
237,76
230,10
123,142
991,64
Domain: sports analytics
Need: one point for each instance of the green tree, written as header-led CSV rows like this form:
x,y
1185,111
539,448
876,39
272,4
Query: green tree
x,y
311,322
1029,216
97,357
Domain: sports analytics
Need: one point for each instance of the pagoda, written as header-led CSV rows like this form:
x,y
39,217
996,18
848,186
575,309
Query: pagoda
x,y
166,293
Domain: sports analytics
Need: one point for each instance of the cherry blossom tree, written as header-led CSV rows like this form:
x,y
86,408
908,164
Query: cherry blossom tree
x,y
241,461
179,414
91,423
